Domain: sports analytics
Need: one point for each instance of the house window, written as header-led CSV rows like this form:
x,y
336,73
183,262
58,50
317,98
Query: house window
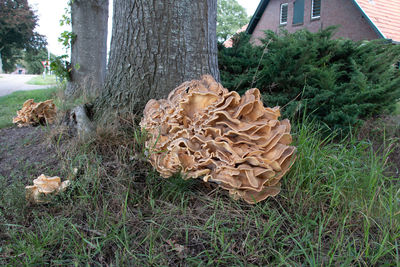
x,y
315,9
284,14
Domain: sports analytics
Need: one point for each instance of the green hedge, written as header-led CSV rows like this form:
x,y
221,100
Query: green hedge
x,y
340,82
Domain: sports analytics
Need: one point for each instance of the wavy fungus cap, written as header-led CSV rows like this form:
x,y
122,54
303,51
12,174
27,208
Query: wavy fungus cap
x,y
44,185
206,131
34,113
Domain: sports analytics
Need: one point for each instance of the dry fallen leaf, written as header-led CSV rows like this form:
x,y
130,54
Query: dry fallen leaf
x,y
175,246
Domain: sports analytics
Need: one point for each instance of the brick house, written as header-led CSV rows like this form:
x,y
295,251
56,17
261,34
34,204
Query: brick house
x,y
359,19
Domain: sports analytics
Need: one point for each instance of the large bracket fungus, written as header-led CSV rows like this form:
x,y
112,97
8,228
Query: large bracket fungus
x,y
206,131
36,113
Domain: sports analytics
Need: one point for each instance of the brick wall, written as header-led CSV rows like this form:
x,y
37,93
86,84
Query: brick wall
x,y
333,12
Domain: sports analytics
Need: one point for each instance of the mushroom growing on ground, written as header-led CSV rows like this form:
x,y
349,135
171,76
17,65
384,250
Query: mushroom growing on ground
x,y
206,131
44,185
36,113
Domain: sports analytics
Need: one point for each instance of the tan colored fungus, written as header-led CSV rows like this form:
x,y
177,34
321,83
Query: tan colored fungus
x,y
34,113
44,185
202,129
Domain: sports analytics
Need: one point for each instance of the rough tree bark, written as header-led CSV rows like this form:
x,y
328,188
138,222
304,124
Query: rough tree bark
x,y
156,45
1,61
89,47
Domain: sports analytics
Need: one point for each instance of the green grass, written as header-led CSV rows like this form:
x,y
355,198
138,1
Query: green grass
x,y
337,207
397,110
9,104
38,80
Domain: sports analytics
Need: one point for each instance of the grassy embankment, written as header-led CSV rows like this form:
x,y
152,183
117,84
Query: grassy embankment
x,y
9,104
337,207
39,80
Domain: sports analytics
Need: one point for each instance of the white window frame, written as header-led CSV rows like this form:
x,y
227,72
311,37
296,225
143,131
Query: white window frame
x,y
312,10
287,14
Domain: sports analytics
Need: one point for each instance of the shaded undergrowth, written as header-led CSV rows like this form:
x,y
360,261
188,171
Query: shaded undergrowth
x,y
337,207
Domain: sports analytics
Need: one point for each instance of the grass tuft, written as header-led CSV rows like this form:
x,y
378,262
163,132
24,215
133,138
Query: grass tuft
x,y
39,80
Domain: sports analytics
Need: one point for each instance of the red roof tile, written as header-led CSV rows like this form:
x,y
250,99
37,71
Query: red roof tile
x,y
229,43
385,14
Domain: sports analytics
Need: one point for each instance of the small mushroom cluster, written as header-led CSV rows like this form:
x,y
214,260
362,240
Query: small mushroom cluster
x,y
36,113
206,131
44,185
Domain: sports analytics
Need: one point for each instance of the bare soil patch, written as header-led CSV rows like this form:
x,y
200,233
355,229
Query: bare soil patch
x,y
25,154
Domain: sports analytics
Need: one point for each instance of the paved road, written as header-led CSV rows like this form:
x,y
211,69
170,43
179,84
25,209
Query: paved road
x,y
13,82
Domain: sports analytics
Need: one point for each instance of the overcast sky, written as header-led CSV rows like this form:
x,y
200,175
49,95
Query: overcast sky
x,y
50,12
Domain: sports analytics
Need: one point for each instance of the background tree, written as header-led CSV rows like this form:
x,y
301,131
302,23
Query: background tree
x,y
156,45
231,17
89,45
17,24
11,56
32,60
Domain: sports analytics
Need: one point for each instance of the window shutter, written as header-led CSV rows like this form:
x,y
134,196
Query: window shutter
x,y
298,13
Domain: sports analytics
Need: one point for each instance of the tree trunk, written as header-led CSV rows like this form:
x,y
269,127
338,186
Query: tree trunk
x,y
89,46
157,45
1,61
